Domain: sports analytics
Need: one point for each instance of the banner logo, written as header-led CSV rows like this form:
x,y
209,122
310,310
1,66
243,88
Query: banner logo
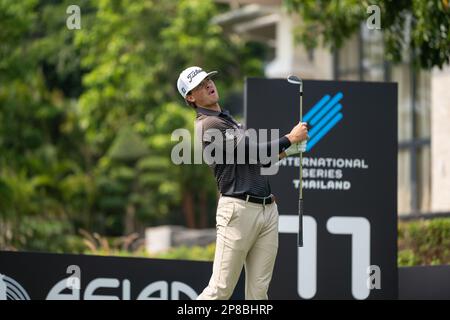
x,y
10,289
323,116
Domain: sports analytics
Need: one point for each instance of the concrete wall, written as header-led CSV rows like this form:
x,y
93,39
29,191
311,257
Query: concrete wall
x,y
440,140
293,58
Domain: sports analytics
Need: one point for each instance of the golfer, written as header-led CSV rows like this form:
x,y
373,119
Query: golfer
x,y
247,215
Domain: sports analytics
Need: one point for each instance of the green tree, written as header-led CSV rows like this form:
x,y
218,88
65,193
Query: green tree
x,y
38,135
334,21
135,51
65,98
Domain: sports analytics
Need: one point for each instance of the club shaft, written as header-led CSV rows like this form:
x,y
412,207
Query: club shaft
x,y
296,80
300,187
300,224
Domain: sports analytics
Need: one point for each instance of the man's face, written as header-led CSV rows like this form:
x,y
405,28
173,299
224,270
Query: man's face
x,y
205,94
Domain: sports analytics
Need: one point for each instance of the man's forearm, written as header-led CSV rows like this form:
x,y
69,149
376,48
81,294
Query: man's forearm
x,y
278,146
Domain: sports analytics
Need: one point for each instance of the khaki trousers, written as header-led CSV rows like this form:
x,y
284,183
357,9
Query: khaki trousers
x,y
247,235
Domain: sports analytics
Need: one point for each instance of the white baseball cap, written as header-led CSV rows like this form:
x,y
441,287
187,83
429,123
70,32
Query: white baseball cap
x,y
190,78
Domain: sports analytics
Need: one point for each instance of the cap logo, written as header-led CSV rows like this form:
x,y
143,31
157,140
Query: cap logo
x,y
193,74
183,89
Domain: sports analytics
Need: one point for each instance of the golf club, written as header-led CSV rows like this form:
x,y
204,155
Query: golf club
x,y
297,81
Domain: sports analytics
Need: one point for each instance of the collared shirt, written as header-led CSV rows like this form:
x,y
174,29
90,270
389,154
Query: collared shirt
x,y
233,178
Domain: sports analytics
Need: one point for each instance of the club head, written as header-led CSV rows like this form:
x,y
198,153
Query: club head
x,y
294,80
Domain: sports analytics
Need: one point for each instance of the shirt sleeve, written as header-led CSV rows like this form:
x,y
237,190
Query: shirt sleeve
x,y
218,132
227,139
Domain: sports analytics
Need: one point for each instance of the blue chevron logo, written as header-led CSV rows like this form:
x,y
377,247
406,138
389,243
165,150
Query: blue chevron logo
x,y
322,117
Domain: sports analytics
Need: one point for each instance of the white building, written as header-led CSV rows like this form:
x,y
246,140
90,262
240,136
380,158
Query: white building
x,y
423,97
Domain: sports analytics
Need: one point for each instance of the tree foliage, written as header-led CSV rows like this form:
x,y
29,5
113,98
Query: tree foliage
x,y
427,43
86,116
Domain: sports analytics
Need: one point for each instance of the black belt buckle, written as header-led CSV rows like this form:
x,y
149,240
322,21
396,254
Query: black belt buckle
x,y
262,200
254,199
271,198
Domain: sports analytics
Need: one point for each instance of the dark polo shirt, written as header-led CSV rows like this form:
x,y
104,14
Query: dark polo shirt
x,y
234,178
